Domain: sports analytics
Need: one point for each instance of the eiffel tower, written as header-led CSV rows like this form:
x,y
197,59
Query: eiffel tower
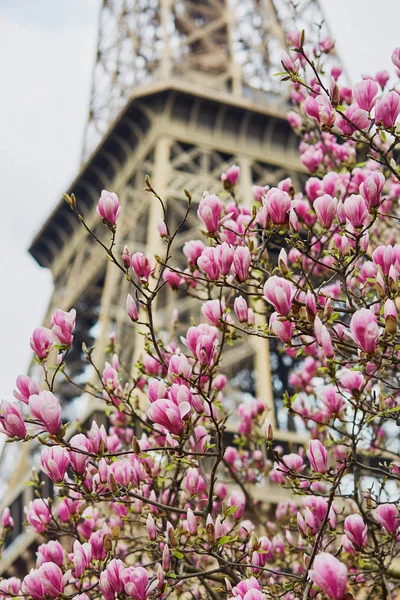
x,y
182,89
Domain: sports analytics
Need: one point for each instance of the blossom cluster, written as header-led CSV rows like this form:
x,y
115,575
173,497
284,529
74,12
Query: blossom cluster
x,y
164,500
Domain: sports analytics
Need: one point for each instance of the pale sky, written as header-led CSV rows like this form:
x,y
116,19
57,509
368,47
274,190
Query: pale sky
x,y
47,54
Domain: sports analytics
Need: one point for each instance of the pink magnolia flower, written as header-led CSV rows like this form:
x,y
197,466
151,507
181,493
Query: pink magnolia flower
x,y
114,575
280,293
10,587
135,581
365,330
241,262
63,324
278,204
32,585
213,311
79,457
38,515
330,575
382,77
131,308
192,250
365,93
55,462
50,552
231,176
356,530
11,420
108,207
241,309
282,328
318,456
208,262
42,342
81,557
352,381
387,516
356,211
384,257
294,119
46,408
387,109
179,368
141,266
357,118
325,207
225,253
26,387
396,57
320,108
191,522
162,228
372,187
7,522
194,482
169,415
209,212
238,500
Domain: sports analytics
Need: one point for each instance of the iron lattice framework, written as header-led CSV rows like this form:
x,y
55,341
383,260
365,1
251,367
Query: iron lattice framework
x,y
232,46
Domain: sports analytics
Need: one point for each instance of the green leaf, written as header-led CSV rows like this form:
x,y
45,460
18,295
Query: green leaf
x,y
223,540
231,511
178,554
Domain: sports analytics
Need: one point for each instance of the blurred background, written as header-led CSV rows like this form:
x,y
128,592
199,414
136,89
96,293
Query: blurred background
x,y
48,52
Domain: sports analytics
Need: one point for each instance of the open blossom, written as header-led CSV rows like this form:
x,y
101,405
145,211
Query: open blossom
x,y
208,262
62,325
55,462
135,580
209,212
192,250
46,408
108,207
365,330
52,551
81,557
387,109
387,516
320,109
213,310
280,293
169,415
38,514
330,575
282,328
42,342
11,420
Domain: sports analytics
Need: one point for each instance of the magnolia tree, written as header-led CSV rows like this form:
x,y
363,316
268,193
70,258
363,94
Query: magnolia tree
x,y
160,505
